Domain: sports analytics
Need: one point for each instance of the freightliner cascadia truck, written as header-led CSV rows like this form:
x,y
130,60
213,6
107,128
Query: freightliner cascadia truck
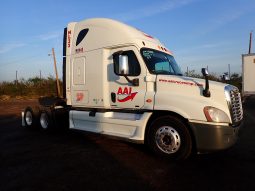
x,y
122,82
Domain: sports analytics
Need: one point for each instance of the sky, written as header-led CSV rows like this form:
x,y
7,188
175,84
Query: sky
x,y
200,33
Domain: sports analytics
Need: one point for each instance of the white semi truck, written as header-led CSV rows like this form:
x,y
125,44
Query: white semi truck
x,y
122,82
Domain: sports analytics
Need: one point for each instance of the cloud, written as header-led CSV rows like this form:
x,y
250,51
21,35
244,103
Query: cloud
x,y
203,47
210,45
8,47
153,9
50,35
226,17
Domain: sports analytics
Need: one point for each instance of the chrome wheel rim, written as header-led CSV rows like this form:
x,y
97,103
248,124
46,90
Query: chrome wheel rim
x,y
44,121
29,118
168,139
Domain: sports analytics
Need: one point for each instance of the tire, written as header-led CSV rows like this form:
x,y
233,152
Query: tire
x,y
45,120
31,117
169,137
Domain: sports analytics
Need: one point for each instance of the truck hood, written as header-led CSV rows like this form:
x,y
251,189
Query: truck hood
x,y
184,96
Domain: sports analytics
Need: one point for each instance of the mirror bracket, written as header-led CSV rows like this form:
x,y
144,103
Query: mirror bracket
x,y
134,82
206,91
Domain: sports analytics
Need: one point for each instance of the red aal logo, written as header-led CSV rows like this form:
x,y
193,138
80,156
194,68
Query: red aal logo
x,y
125,94
79,96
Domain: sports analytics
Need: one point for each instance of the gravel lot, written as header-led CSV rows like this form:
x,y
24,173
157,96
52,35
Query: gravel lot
x,y
71,160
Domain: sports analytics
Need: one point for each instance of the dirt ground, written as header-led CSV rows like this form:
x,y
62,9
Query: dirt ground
x,y
71,160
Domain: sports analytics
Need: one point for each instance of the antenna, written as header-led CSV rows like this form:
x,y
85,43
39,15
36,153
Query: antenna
x,y
250,43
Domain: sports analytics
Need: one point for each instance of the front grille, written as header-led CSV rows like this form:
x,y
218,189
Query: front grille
x,y
235,104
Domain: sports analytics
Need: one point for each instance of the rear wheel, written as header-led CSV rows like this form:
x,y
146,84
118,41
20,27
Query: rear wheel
x,y
45,119
169,137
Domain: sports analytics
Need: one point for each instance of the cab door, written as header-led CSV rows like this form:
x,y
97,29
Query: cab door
x,y
127,91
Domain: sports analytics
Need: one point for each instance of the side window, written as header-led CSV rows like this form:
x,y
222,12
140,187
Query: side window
x,y
81,36
133,64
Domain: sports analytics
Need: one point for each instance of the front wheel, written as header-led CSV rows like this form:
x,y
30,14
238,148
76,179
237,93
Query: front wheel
x,y
169,137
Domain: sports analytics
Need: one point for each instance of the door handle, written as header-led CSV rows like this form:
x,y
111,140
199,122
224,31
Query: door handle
x,y
113,97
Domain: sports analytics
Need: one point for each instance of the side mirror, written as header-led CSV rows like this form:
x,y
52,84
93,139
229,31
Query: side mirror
x,y
225,77
206,91
123,65
205,72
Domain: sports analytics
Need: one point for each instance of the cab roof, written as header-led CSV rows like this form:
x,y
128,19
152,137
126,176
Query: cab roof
x,y
103,33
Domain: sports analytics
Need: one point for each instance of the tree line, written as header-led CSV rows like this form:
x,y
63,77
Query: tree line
x,y
235,79
31,88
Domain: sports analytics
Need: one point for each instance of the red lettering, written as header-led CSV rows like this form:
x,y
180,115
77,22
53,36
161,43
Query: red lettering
x,y
125,91
180,82
130,90
69,39
119,91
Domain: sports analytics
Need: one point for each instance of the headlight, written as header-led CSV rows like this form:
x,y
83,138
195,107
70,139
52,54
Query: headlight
x,y
213,114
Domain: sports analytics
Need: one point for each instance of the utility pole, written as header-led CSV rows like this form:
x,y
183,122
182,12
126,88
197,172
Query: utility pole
x,y
187,71
56,72
250,43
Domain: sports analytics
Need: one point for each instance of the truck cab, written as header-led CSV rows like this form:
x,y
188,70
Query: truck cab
x,y
122,82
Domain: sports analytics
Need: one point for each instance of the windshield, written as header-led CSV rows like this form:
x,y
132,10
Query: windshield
x,y
160,62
